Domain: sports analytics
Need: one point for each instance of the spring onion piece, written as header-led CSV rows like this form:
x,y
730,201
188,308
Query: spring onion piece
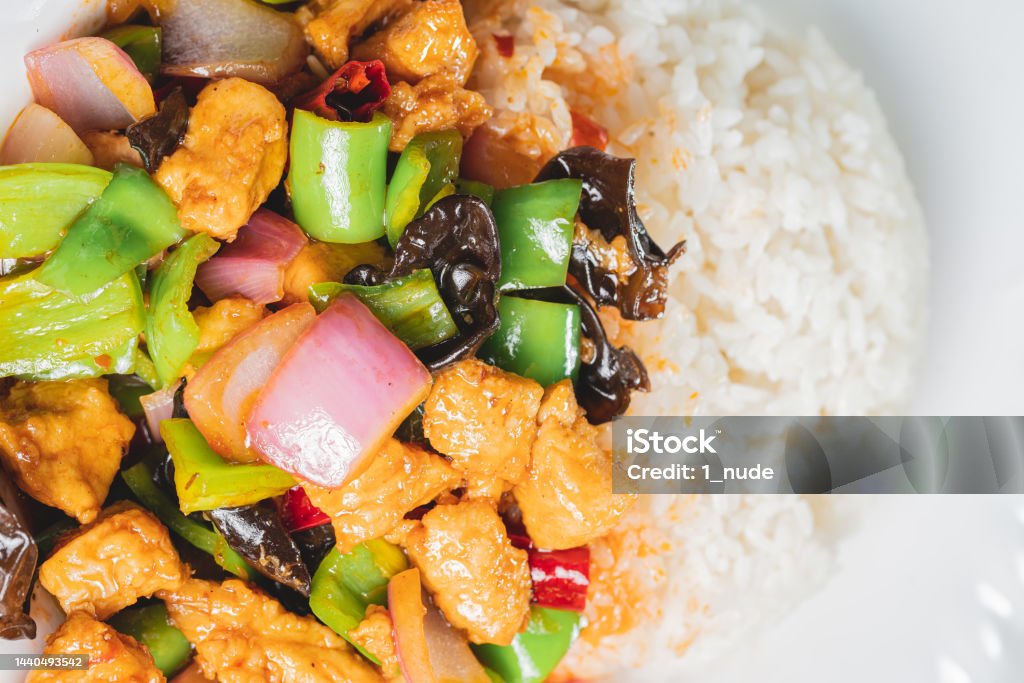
x,y
536,339
338,175
39,135
150,626
345,585
410,307
428,163
535,226
475,188
205,481
47,335
139,479
172,334
142,44
132,221
298,422
38,202
536,651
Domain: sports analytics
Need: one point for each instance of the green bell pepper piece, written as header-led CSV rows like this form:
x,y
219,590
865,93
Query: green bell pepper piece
x,y
150,626
535,339
475,188
428,163
139,478
535,652
345,585
172,334
132,221
409,306
205,481
39,201
48,335
338,176
142,44
535,227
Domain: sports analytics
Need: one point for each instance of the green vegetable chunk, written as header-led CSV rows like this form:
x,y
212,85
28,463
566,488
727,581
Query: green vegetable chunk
x,y
475,188
205,481
427,165
535,652
39,201
171,331
142,44
150,626
338,175
48,335
536,339
535,226
132,221
139,479
345,585
410,307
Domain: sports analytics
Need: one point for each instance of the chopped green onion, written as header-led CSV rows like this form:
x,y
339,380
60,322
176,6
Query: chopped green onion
x,y
338,176
409,306
150,626
536,651
535,226
426,167
536,339
132,221
142,44
205,481
38,202
48,335
172,334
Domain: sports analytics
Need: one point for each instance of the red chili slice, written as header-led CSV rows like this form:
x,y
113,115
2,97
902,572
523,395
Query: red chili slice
x,y
588,132
352,93
298,512
560,577
505,43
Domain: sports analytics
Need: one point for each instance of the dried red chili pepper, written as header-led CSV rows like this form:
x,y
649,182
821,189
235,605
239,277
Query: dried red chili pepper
x,y
299,513
352,93
588,132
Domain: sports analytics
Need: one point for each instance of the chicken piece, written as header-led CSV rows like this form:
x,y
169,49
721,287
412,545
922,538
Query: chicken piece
x,y
220,323
232,157
332,24
484,419
431,38
110,148
374,634
63,442
479,580
400,478
112,656
242,635
567,498
326,262
108,565
437,102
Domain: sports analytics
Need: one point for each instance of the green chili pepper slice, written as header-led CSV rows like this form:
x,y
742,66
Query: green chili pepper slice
x,y
426,166
205,481
171,332
535,339
536,651
338,175
535,226
150,626
142,44
475,188
132,221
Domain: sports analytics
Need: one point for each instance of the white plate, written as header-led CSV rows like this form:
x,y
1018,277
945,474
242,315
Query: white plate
x,y
931,589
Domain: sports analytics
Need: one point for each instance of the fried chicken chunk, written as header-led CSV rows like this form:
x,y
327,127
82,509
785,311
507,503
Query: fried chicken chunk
x,y
484,419
374,634
63,442
242,635
326,262
478,579
232,157
218,324
108,565
567,499
430,38
332,24
401,478
113,656
438,102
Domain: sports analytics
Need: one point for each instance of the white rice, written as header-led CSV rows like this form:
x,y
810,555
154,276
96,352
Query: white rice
x,y
802,291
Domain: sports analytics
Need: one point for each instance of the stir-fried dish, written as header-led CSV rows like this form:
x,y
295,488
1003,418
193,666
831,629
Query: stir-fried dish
x,y
303,378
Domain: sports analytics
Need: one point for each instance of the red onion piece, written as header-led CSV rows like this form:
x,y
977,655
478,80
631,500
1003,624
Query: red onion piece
x,y
405,603
220,38
90,83
218,397
298,511
39,135
450,656
339,392
253,265
352,93
159,406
